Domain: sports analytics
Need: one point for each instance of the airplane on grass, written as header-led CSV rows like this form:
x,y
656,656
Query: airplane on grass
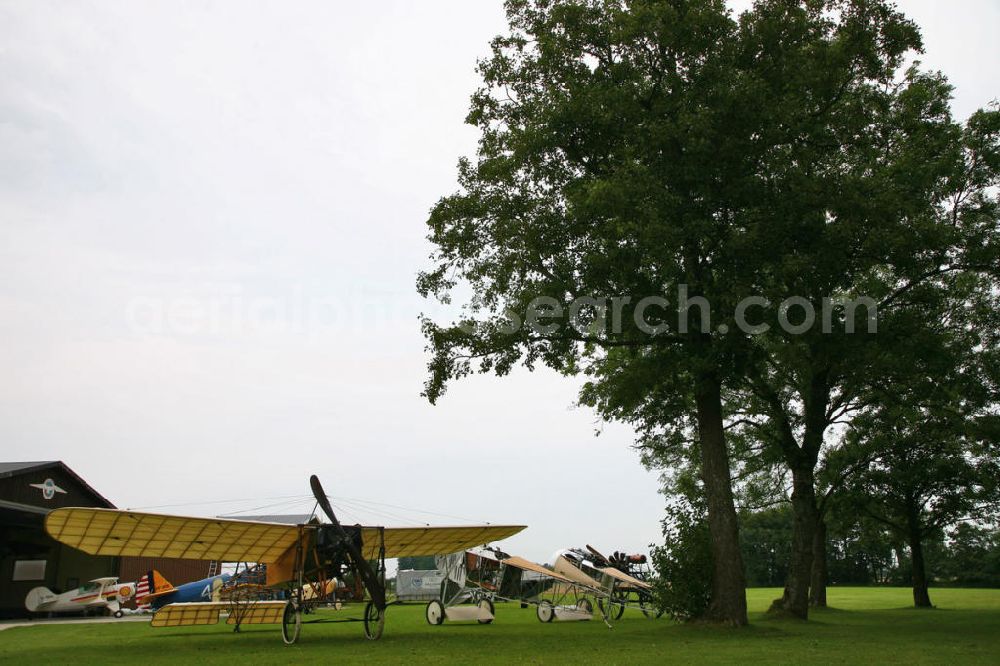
x,y
567,591
97,595
625,577
153,589
300,559
475,580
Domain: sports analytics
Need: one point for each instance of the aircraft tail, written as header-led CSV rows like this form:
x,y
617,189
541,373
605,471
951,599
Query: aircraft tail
x,y
151,585
38,598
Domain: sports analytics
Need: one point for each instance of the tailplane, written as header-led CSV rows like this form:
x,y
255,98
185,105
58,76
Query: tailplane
x,y
38,598
151,585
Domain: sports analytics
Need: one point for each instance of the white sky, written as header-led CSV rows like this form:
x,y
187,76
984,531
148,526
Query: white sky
x,y
211,217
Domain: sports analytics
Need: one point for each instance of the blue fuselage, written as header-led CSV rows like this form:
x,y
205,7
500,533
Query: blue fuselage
x,y
199,590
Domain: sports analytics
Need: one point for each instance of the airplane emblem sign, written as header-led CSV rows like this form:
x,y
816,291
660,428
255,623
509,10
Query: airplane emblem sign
x,y
48,488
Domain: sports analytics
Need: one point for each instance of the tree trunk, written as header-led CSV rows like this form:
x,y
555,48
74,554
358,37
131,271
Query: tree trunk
x,y
817,585
795,600
801,460
921,597
729,601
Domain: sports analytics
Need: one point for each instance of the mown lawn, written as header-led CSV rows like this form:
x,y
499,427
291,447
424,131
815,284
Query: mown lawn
x,y
865,625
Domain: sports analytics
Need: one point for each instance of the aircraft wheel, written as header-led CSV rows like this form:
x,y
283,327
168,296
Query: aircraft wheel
x,y
119,613
291,623
374,621
614,610
585,606
546,612
649,609
434,612
487,605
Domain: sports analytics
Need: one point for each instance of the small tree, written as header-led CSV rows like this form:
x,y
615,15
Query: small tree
x,y
927,478
766,538
683,587
860,551
972,556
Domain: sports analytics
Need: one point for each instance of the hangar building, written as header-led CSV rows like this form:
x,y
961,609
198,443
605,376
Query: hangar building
x,y
28,556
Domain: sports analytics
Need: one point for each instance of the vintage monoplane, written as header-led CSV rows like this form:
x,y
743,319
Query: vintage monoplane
x,y
474,581
300,559
624,577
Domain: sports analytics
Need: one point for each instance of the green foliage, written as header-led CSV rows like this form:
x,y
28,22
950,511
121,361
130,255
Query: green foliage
x,y
600,126
969,558
627,149
765,538
683,586
419,563
930,473
860,552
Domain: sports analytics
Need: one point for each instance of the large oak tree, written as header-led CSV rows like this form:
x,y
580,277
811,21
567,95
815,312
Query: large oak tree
x,y
663,148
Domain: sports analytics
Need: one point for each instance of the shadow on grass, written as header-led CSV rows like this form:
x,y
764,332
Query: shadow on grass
x,y
827,609
197,634
757,628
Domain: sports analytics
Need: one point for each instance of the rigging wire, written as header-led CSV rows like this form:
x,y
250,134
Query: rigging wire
x,y
227,501
284,505
340,509
358,509
352,505
403,508
380,513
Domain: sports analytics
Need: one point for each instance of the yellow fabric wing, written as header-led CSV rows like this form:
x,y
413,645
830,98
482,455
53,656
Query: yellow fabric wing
x,y
129,533
183,615
260,612
564,567
420,541
623,577
527,565
187,614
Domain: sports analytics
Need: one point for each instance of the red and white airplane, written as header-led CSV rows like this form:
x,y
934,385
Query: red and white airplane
x,y
99,593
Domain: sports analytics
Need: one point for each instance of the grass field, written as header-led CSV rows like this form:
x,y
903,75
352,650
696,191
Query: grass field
x,y
864,625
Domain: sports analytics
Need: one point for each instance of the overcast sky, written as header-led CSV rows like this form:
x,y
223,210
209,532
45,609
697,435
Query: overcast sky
x,y
211,218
